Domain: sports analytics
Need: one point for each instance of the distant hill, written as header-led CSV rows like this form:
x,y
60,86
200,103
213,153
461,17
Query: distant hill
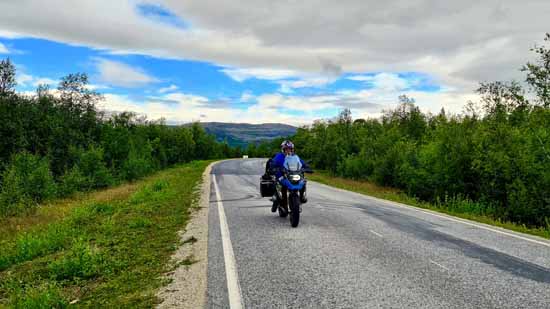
x,y
241,134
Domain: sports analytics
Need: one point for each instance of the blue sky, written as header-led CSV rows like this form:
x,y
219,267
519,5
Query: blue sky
x,y
256,63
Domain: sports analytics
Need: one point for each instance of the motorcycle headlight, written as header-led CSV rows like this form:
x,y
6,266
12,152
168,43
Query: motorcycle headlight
x,y
295,177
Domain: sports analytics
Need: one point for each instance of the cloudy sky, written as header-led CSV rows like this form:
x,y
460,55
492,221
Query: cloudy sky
x,y
271,61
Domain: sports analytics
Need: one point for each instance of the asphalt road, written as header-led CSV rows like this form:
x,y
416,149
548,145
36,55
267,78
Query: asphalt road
x,y
354,251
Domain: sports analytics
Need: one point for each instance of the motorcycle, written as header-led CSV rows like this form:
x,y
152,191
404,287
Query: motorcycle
x,y
293,180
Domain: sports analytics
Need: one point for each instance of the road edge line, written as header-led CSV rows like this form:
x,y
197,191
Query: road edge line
x,y
233,287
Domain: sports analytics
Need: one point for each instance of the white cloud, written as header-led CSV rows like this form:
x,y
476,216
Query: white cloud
x,y
8,34
247,96
22,79
96,87
120,74
187,100
170,88
390,82
287,79
383,81
241,75
306,82
120,103
27,80
43,81
360,78
3,49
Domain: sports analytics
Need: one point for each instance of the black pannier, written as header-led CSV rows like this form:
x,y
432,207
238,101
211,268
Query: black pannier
x,y
267,186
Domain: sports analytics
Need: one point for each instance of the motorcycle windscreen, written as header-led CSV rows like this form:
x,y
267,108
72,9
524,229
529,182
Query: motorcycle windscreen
x,y
292,163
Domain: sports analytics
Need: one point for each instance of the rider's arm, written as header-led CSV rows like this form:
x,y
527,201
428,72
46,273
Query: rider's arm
x,y
304,164
278,164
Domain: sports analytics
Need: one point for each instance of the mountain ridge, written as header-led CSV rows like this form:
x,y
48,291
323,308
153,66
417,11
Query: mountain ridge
x,y
242,134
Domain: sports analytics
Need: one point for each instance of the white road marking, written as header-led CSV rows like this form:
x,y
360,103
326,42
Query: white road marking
x,y
435,263
377,234
233,288
433,213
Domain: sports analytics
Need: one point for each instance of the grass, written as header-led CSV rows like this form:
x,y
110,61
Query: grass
x,y
460,208
103,249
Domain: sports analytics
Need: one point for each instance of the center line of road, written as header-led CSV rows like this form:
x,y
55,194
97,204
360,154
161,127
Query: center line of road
x,y
377,234
233,288
435,263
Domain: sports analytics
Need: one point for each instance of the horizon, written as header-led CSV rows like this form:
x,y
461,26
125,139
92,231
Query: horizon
x,y
262,62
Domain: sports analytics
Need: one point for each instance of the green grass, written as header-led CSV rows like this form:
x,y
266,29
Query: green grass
x,y
104,249
456,207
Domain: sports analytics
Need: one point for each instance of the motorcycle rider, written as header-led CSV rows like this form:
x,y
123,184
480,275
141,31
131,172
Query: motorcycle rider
x,y
277,164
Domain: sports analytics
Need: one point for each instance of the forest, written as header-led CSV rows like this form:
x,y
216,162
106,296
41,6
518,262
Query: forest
x,y
56,142
492,160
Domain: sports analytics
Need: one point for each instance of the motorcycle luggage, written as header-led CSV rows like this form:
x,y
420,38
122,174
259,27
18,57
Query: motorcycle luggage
x,y
267,187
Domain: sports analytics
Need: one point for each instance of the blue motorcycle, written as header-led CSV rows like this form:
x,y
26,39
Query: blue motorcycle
x,y
291,183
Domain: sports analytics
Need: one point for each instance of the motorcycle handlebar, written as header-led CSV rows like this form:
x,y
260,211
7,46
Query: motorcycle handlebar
x,y
305,170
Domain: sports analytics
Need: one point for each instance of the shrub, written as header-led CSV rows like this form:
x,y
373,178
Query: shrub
x,y
356,166
388,169
92,166
26,182
521,207
73,181
13,199
135,168
138,164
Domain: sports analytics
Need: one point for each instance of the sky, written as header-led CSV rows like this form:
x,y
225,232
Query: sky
x,y
260,61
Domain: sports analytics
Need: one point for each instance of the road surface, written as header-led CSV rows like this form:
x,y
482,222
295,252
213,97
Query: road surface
x,y
354,251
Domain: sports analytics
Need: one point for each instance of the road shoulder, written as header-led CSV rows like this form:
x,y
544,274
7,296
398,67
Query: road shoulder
x,y
188,282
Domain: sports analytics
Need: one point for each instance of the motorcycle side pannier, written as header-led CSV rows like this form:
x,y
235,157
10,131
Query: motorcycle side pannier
x,y
267,186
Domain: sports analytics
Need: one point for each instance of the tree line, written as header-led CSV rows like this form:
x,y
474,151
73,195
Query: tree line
x,y
55,143
493,159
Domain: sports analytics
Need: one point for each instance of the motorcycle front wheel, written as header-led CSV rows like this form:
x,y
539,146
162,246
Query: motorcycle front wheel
x,y
294,201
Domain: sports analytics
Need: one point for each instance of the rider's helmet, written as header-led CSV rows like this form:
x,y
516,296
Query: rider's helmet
x,y
287,145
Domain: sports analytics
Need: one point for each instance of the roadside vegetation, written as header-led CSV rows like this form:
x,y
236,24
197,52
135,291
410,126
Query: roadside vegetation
x,y
491,162
90,201
107,248
56,142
